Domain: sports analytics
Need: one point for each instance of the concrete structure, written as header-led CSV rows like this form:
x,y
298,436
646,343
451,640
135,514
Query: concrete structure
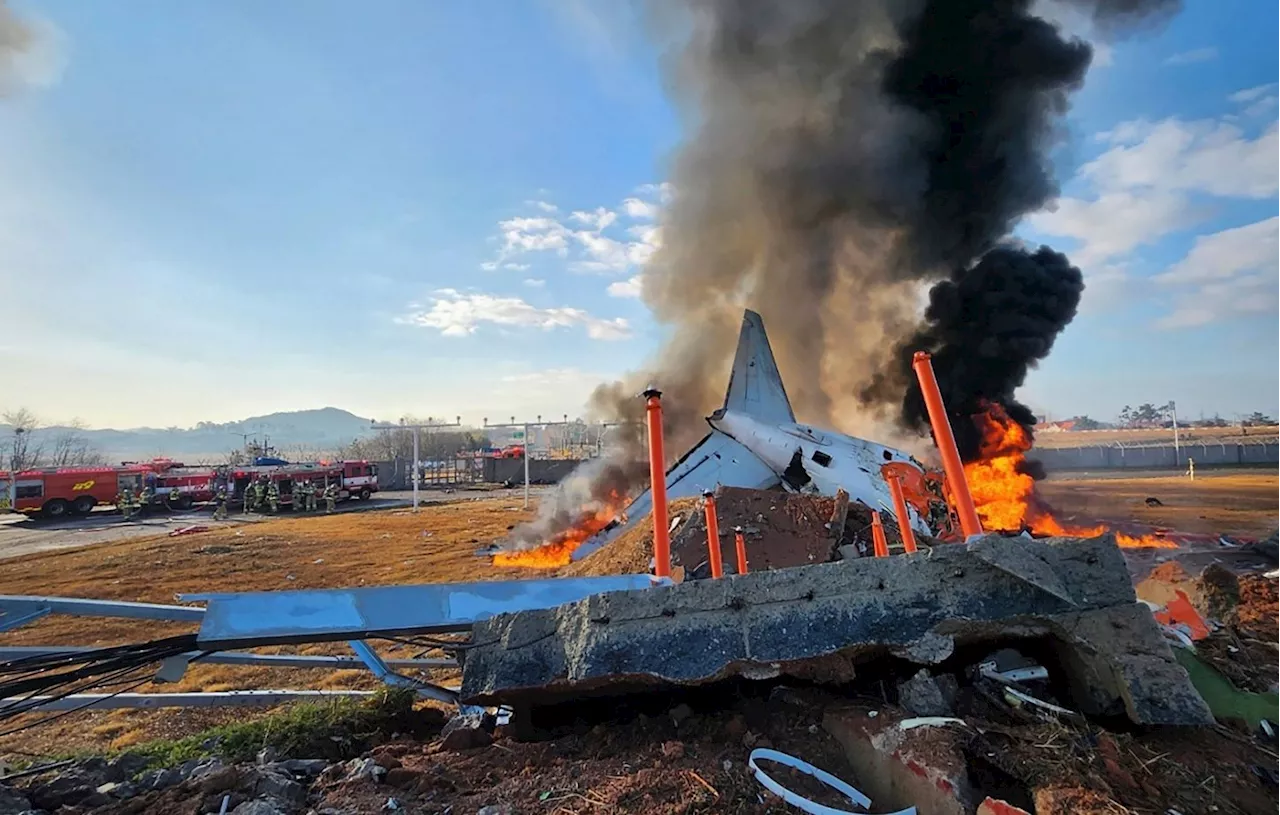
x,y
1069,597
1160,457
541,471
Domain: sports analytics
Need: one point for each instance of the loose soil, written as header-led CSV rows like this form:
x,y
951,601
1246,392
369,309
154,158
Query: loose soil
x,y
1237,504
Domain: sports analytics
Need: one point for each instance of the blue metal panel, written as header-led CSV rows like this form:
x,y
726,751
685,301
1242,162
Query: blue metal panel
x,y
264,618
16,610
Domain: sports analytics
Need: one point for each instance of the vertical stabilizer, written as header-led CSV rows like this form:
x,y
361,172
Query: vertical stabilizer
x,y
755,386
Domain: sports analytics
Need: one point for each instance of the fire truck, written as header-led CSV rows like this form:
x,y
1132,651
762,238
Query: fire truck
x,y
59,492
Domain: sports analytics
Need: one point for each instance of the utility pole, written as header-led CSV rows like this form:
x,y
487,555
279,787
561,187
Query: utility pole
x,y
1177,453
430,423
13,469
524,430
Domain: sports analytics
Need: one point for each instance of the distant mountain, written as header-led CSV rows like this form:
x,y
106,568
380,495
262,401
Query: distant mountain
x,y
313,431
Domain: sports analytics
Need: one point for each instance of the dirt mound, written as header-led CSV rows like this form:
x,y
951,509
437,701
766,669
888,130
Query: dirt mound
x,y
781,530
632,551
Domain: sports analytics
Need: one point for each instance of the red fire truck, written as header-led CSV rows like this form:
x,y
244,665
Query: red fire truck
x,y
60,491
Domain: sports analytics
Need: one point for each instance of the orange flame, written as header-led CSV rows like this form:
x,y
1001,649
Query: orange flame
x,y
558,551
1005,494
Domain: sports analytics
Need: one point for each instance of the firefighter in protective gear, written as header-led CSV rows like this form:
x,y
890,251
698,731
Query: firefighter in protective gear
x,y
273,496
259,493
299,496
144,500
330,497
125,502
311,496
220,504
175,497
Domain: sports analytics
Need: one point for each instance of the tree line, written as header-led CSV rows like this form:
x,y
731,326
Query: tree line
x,y
63,446
1148,415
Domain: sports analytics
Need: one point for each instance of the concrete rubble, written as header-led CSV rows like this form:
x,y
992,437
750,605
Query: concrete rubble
x,y
822,622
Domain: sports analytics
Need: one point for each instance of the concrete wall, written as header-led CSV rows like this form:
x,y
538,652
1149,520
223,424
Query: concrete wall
x,y
551,471
1161,457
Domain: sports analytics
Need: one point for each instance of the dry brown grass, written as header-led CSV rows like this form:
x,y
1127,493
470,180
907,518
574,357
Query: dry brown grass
x,y
435,545
1238,504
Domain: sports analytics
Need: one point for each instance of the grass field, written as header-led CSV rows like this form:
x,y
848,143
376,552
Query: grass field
x,y
435,545
1234,504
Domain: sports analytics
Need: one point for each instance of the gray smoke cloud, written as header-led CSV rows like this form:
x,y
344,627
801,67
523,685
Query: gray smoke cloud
x,y
16,38
843,156
30,52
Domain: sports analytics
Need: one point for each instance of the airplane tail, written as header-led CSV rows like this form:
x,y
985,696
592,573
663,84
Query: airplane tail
x,y
755,386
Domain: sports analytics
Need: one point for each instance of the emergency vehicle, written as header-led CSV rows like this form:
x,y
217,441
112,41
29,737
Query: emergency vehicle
x,y
60,491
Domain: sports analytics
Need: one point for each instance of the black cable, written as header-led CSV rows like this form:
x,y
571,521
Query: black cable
x,y
62,713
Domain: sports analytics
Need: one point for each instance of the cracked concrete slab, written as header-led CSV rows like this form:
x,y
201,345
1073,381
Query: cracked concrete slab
x,y
823,621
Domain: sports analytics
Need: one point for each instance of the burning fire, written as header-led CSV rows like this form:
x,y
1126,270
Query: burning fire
x,y
1005,494
558,551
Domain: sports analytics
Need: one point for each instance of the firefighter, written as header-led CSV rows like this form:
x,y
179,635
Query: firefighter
x,y
220,504
330,497
273,496
299,496
311,496
144,500
175,497
259,492
125,502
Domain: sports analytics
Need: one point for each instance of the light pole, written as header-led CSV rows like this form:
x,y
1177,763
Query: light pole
x,y
13,469
413,474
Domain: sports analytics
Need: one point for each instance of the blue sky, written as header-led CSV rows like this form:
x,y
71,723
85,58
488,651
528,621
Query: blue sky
x,y
220,208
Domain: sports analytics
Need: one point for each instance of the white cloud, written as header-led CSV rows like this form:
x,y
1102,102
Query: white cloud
x,y
534,282
630,287
1115,223
456,314
663,192
1151,182
1252,94
545,206
1193,56
592,240
489,265
1257,100
1202,156
598,219
636,208
1228,273
533,235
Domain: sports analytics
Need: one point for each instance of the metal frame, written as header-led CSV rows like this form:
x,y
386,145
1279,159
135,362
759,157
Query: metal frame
x,y
250,619
336,662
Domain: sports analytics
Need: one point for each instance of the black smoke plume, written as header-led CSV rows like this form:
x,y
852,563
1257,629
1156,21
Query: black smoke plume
x,y
986,327
842,156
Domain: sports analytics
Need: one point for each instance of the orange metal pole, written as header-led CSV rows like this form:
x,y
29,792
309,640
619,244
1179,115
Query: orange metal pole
x,y
658,486
713,535
922,362
900,510
741,545
878,542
